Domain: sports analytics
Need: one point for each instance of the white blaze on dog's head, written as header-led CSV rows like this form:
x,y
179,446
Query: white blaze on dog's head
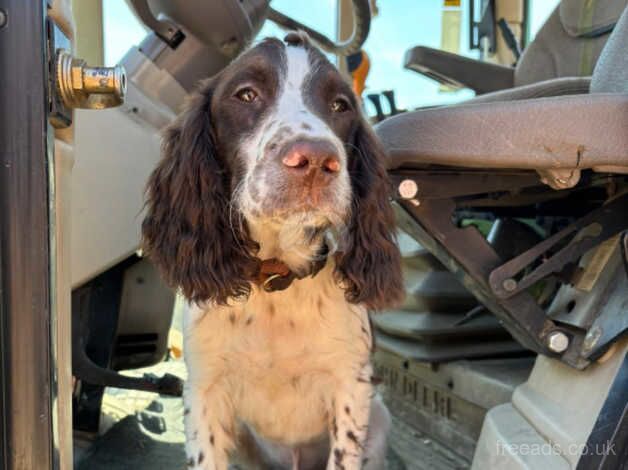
x,y
289,203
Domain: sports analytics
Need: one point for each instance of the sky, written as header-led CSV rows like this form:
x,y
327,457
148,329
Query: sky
x,y
400,25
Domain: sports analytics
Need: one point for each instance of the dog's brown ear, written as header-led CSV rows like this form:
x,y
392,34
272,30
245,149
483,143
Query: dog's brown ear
x,y
187,231
370,264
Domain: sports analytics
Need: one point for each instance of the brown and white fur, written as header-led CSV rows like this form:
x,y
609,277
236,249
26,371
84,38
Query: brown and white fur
x,y
272,159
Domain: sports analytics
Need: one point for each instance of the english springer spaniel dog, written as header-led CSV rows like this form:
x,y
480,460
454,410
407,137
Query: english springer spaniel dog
x,y
270,212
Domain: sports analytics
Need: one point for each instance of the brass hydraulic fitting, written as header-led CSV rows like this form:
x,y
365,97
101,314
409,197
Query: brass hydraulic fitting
x,y
80,86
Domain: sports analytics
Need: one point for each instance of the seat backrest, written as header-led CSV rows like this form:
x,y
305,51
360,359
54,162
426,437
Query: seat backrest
x,y
611,72
570,41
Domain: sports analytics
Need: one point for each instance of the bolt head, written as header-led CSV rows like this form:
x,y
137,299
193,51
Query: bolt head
x,y
509,284
408,189
557,341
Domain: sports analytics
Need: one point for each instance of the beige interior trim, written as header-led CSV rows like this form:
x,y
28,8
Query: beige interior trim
x,y
89,44
512,12
64,161
62,14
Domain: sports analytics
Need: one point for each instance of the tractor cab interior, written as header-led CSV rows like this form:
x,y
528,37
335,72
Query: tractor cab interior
x,y
506,202
505,126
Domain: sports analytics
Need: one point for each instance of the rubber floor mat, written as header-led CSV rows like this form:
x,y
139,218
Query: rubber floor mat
x,y
147,431
152,439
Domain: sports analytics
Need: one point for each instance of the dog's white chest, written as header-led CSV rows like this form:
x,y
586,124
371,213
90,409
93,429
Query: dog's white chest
x,y
279,357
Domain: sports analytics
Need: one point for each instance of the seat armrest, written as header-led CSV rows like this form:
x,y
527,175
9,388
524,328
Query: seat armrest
x,y
459,71
563,132
554,87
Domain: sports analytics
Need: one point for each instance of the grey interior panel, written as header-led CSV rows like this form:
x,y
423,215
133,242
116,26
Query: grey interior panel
x,y
555,87
544,133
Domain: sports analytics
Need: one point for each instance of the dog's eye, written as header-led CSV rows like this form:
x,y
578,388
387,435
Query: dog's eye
x,y
246,95
339,105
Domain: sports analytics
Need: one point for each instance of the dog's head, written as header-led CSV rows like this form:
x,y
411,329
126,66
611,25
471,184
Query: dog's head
x,y
272,158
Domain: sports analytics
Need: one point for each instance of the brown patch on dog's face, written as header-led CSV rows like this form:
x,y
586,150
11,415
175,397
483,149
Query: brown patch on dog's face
x,y
260,69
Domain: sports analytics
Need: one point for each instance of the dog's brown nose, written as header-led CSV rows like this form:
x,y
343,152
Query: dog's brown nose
x,y
312,155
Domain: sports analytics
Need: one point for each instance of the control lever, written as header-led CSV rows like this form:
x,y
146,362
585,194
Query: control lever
x,y
376,100
602,223
165,29
390,97
84,369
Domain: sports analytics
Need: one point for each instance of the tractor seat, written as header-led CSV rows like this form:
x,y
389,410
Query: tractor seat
x,y
557,136
567,45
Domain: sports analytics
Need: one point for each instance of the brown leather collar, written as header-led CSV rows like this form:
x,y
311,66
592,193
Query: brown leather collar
x,y
275,275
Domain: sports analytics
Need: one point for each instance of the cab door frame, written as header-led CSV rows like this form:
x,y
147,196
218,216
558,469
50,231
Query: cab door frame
x,y
28,368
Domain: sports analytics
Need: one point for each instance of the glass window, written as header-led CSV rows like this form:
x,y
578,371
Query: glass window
x,y
539,11
319,15
121,30
399,26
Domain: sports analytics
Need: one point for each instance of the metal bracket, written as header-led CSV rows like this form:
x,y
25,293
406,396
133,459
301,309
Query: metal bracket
x,y
590,230
431,196
167,31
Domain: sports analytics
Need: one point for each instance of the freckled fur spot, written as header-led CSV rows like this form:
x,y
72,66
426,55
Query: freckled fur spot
x,y
291,324
338,456
211,439
201,457
232,318
249,320
352,436
347,410
186,411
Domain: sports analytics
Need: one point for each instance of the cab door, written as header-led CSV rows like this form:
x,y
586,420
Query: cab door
x,y
40,85
28,366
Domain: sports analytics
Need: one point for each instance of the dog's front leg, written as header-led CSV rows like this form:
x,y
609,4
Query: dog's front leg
x,y
350,421
208,420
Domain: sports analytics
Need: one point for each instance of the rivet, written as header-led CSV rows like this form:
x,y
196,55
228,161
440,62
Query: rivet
x,y
557,341
408,189
509,284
